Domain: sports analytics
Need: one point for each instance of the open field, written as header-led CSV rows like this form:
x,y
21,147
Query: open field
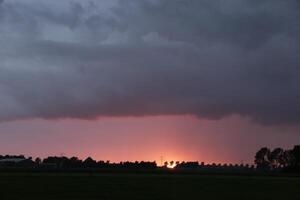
x,y
144,186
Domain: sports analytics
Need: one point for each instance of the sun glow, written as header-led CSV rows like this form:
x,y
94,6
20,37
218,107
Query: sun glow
x,y
171,165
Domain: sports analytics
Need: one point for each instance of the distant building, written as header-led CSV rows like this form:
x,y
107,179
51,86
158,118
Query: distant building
x,y
16,162
12,160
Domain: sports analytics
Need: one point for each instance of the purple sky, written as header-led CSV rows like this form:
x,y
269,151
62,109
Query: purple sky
x,y
231,139
139,79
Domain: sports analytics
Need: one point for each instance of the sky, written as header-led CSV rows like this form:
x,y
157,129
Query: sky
x,y
139,79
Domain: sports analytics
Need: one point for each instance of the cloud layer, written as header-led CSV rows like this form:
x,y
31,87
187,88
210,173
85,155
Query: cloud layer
x,y
85,59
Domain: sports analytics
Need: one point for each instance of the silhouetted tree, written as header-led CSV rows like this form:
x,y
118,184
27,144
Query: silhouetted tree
x,y
166,164
262,158
287,158
296,157
74,162
38,160
188,165
89,162
275,158
172,163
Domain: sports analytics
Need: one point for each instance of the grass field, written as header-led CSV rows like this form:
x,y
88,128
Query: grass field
x,y
145,186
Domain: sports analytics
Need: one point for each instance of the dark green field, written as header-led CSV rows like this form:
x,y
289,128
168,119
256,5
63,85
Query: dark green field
x,y
145,186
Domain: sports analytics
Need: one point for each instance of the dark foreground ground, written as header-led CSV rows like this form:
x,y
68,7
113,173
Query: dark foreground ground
x,y
44,186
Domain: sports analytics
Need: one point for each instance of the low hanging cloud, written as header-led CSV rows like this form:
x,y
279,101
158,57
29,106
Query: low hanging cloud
x,y
211,59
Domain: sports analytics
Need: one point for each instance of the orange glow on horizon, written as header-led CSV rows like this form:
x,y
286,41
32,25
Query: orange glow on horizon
x,y
175,138
171,166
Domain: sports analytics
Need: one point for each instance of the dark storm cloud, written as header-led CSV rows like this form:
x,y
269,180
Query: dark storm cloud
x,y
206,58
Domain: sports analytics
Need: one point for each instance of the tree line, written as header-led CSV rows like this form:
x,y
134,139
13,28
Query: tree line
x,y
278,159
63,162
266,159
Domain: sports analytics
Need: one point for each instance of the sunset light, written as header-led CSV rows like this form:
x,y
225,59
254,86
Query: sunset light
x,y
138,99
171,165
